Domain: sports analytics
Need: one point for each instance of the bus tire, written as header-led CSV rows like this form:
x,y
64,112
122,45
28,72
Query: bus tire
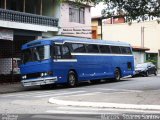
x,y
117,74
72,79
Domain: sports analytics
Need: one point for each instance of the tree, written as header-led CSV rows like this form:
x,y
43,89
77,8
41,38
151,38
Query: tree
x,y
139,10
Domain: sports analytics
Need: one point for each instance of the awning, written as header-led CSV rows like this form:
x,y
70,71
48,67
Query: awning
x,y
138,48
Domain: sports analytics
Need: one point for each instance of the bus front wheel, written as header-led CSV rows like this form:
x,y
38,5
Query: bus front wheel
x,y
117,74
72,79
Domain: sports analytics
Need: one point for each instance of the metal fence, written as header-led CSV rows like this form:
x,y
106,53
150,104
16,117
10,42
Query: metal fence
x,y
15,16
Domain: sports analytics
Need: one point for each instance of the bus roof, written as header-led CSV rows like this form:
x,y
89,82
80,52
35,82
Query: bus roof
x,y
63,39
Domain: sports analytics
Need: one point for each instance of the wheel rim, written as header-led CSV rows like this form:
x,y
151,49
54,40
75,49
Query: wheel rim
x,y
147,73
117,75
72,80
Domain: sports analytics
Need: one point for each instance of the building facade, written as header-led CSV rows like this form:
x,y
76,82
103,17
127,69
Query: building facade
x,y
99,21
76,20
142,35
24,20
117,30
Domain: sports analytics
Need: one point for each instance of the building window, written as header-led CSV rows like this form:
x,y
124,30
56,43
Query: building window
x,y
77,14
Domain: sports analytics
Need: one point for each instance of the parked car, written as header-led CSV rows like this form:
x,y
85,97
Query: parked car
x,y
145,69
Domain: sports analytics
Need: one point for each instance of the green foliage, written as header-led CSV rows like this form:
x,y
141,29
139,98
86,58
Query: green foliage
x,y
154,61
139,10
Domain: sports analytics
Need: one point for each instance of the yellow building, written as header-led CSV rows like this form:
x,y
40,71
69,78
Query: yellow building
x,y
96,27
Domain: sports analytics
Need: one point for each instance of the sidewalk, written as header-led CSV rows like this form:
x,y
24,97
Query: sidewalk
x,y
148,100
10,87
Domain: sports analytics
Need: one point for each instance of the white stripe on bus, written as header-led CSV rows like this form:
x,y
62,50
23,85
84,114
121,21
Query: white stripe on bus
x,y
65,60
94,54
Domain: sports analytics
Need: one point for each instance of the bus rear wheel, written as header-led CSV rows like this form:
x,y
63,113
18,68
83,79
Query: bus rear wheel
x,y
72,79
117,74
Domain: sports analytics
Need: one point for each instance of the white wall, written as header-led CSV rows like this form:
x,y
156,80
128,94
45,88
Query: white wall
x,y
139,57
159,59
132,34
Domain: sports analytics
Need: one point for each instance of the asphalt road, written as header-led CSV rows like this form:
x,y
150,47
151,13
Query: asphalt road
x,y
33,102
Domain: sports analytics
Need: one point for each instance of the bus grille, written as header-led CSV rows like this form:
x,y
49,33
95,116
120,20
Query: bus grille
x,y
33,75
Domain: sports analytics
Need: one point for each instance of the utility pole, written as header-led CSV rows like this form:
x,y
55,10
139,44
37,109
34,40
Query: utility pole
x,y
101,28
142,36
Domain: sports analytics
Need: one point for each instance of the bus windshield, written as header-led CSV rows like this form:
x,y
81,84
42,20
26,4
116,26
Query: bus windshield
x,y
36,54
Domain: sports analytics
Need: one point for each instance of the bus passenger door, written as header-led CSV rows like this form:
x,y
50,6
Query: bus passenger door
x,y
61,61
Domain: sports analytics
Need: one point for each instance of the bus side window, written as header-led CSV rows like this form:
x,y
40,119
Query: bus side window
x,y
115,49
78,48
104,49
57,52
126,50
66,52
92,48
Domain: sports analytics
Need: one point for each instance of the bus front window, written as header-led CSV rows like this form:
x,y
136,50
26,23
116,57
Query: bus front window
x,y
36,54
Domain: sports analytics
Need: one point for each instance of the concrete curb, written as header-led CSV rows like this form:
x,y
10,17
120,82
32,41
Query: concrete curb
x,y
103,105
11,88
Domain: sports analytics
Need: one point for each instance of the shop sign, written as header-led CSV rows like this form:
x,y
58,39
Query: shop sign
x,y
76,31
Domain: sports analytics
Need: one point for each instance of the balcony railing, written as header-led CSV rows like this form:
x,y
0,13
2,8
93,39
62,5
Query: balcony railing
x,y
21,17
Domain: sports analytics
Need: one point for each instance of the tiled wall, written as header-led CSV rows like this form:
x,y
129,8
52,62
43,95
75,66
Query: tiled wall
x,y
5,65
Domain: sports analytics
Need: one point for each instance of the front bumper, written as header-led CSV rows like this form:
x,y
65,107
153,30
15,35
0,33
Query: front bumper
x,y
39,81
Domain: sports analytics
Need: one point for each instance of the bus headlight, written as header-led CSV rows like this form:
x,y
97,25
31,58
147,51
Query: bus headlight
x,y
24,77
42,74
46,74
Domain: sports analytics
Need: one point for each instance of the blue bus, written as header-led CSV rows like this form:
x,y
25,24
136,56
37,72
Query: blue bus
x,y
72,60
